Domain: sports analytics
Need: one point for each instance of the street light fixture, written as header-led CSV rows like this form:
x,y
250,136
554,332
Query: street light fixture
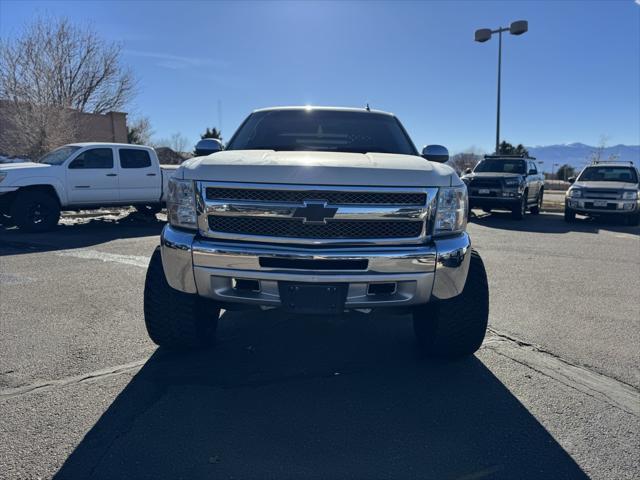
x,y
484,34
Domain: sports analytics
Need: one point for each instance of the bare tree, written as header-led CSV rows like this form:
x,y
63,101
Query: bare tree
x,y
598,154
139,131
56,66
461,161
28,129
176,142
179,142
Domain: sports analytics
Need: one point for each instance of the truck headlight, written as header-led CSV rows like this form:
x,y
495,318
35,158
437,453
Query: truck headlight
x,y
451,212
628,195
574,193
181,204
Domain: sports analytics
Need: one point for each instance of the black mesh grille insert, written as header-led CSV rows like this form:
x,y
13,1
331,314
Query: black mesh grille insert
x,y
486,183
331,197
333,229
304,264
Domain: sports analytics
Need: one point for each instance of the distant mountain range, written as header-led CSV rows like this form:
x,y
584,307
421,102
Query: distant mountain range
x,y
578,154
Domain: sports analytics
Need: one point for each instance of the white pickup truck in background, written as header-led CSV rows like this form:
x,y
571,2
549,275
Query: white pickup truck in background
x,y
82,176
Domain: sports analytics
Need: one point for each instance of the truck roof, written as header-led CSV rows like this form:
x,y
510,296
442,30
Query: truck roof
x,y
106,144
611,163
509,157
315,107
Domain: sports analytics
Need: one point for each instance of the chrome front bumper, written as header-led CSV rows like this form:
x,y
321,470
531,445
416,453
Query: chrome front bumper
x,y
209,268
621,206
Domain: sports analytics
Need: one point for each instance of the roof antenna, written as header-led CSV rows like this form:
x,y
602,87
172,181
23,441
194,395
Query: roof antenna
x,y
368,108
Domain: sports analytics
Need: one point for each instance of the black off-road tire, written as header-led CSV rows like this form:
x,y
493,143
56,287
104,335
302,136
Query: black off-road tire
x,y
456,327
569,214
518,210
535,210
176,320
35,211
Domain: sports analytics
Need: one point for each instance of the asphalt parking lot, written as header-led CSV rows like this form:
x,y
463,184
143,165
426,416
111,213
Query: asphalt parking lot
x,y
553,392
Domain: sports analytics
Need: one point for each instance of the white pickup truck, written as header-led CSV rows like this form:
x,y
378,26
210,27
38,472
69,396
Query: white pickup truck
x,y
82,176
318,211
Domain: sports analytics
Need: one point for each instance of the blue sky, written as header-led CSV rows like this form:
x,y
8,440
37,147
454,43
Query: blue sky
x,y
574,77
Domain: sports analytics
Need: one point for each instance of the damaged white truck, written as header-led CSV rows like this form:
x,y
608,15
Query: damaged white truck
x,y
318,211
82,176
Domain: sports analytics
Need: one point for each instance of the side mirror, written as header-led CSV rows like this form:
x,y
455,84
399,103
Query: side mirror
x,y
435,153
467,171
207,146
571,179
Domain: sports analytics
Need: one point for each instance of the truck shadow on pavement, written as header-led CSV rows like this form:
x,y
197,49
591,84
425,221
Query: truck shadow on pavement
x,y
87,233
290,397
550,223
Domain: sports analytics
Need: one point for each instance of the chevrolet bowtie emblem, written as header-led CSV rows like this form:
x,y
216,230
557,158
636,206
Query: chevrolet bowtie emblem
x,y
314,212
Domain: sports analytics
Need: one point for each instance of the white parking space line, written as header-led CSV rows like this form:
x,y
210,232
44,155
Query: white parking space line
x,y
135,260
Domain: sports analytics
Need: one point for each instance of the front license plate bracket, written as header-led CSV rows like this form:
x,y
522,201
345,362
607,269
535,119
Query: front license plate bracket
x,y
313,298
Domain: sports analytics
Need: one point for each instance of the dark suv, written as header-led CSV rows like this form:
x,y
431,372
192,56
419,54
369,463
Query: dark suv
x,y
507,182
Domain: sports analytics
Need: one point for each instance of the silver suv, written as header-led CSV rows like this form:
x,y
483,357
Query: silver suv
x,y
605,189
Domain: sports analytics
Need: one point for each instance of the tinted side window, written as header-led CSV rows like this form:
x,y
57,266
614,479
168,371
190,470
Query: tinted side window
x,y
532,166
134,158
94,158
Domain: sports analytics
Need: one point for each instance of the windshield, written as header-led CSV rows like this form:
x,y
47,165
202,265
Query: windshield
x,y
502,166
322,130
59,155
609,174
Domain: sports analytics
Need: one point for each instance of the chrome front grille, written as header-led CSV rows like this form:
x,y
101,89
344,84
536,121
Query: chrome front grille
x,y
602,194
318,215
329,196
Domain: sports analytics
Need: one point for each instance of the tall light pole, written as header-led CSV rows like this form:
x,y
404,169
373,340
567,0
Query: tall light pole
x,y
482,35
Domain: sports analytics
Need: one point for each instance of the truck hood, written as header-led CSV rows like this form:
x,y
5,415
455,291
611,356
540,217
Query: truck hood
x,y
6,167
319,168
606,185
